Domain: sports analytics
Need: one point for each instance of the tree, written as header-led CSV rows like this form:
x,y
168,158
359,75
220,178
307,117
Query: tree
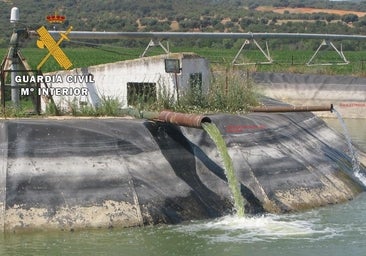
x,y
348,18
330,17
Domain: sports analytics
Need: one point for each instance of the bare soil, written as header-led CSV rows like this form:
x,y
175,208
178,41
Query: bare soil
x,y
308,10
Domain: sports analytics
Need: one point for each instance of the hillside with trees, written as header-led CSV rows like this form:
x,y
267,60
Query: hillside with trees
x,y
190,15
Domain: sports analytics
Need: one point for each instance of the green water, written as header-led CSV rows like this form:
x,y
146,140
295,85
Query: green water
x,y
335,230
233,183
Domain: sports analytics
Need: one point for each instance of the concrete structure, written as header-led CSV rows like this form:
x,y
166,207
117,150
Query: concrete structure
x,y
346,93
102,173
127,79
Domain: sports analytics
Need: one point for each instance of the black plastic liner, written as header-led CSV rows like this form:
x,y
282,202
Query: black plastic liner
x,y
79,173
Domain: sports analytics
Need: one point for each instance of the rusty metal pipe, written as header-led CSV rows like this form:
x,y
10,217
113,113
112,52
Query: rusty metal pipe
x,y
278,109
189,120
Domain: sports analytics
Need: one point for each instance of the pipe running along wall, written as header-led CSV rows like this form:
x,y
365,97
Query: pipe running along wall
x,y
166,116
196,120
188,120
278,109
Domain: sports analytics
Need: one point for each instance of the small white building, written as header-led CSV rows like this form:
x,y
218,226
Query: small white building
x,y
127,80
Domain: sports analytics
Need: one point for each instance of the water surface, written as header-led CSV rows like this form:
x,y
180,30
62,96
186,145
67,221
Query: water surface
x,y
334,230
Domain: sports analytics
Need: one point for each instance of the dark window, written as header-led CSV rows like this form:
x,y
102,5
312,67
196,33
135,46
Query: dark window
x,y
138,93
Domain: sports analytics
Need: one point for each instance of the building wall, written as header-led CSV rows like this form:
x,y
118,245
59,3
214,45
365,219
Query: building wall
x,y
110,80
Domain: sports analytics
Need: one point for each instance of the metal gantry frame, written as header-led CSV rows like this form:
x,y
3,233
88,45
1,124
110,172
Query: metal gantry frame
x,y
265,53
339,52
154,43
22,68
157,37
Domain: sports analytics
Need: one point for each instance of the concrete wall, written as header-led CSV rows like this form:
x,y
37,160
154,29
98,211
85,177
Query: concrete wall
x,y
346,93
92,173
110,80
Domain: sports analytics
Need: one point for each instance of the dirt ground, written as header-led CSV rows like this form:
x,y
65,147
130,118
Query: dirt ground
x,y
308,10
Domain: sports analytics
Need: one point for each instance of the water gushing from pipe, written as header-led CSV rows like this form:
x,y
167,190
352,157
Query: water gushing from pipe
x,y
353,154
232,180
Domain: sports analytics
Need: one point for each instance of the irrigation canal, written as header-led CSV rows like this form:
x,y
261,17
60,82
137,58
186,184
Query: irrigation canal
x,y
333,230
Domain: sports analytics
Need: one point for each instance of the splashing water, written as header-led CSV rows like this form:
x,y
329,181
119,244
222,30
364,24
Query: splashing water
x,y
231,229
355,162
234,185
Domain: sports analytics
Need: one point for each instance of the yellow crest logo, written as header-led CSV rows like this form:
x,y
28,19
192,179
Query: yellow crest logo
x,y
46,40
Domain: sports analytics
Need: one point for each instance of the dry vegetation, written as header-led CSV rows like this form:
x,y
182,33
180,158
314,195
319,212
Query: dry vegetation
x,y
306,10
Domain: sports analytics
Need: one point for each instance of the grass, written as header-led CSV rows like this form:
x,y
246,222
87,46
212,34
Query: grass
x,y
284,60
25,109
80,57
108,107
231,89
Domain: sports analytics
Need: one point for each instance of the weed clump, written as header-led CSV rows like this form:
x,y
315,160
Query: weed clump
x,y
230,92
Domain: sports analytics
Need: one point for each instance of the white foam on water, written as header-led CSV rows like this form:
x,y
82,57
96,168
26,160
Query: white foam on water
x,y
259,228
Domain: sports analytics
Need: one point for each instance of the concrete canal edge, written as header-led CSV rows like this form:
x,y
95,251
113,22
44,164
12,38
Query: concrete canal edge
x,y
346,93
100,173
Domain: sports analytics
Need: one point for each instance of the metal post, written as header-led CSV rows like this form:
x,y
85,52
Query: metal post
x,y
239,52
15,95
38,96
13,56
362,65
3,88
176,86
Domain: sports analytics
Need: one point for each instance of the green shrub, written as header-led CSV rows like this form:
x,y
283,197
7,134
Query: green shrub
x,y
109,106
231,92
